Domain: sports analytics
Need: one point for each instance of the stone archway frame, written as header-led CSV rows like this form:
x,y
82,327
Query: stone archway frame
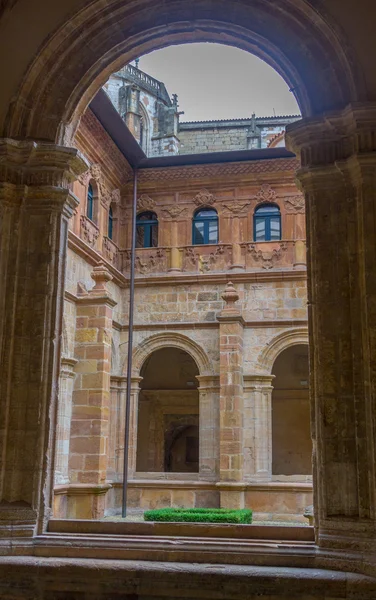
x,y
170,340
99,39
284,340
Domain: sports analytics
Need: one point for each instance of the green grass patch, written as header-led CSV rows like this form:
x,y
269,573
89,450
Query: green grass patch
x,y
199,515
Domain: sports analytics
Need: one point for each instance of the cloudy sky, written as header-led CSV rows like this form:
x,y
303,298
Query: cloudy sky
x,y
214,81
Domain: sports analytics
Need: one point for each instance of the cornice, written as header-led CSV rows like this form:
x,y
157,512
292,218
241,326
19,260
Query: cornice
x,y
178,325
219,171
254,277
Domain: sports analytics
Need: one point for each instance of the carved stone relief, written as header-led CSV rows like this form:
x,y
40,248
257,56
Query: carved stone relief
x,y
204,198
266,194
267,258
295,204
89,231
145,202
174,211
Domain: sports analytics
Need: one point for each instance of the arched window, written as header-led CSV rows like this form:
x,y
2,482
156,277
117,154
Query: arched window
x,y
205,226
90,203
110,232
267,223
147,230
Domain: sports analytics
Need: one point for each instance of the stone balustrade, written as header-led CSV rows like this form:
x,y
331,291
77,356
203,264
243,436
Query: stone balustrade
x,y
212,258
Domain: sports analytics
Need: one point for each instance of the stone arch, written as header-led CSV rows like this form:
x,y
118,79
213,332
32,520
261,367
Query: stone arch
x,y
97,40
279,343
170,339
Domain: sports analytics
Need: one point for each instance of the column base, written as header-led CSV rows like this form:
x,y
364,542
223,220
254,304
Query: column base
x,y
17,521
80,501
232,495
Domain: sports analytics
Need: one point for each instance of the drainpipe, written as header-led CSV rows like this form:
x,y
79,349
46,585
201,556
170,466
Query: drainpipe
x,y
130,348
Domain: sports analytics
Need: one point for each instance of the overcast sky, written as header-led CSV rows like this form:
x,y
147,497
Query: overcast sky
x,y
214,81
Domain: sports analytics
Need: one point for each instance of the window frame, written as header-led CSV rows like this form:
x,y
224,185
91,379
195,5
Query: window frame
x,y
110,224
206,221
147,226
90,202
267,218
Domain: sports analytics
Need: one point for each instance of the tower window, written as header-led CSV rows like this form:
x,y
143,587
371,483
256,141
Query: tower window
x,y
267,223
205,227
147,230
90,203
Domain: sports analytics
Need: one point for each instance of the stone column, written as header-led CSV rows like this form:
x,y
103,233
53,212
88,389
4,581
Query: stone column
x,y
237,263
231,329
175,257
257,421
64,417
90,414
35,204
209,390
338,176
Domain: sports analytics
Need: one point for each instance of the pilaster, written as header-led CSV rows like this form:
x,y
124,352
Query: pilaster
x,y
231,330
257,427
209,391
35,204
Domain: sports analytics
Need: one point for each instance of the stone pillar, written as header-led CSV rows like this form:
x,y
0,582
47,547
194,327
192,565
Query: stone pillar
x,y
338,177
64,417
257,422
132,452
35,204
231,329
90,414
209,390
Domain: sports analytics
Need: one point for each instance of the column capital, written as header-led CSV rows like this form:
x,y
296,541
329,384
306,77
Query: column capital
x,y
41,164
258,381
335,136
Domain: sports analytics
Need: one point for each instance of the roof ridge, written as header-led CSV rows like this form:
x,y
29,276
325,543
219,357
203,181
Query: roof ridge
x,y
241,119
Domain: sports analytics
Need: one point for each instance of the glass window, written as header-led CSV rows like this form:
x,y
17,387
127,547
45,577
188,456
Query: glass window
x,y
205,227
267,223
110,224
147,230
90,203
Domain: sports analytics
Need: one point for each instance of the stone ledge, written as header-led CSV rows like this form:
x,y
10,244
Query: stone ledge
x,y
43,577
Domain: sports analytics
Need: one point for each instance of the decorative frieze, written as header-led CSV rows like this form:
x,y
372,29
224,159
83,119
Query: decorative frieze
x,y
174,212
150,260
204,259
236,208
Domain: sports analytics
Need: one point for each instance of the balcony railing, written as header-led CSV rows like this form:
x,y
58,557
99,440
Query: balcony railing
x,y
218,258
110,251
89,231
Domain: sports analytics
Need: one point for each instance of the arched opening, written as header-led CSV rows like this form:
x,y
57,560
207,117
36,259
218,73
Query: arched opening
x,y
291,437
168,413
205,226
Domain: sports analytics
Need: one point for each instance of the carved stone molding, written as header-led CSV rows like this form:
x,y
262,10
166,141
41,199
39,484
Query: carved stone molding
x,y
94,172
218,259
266,194
236,208
204,198
145,202
294,204
267,258
174,211
89,231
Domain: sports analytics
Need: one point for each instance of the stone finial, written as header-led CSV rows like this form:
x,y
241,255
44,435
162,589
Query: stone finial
x,y
230,296
101,276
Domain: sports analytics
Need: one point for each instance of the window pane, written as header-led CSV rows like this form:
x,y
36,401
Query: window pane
x,y
275,228
154,236
213,232
139,236
267,209
260,230
206,213
198,233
